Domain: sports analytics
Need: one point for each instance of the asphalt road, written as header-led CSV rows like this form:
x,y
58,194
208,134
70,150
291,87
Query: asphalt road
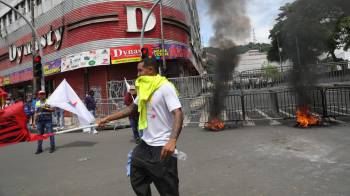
x,y
256,161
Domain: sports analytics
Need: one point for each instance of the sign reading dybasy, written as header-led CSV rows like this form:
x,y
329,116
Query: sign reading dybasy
x,y
65,98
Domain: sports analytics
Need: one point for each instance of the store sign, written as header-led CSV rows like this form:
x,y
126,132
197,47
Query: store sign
x,y
85,59
52,67
171,51
127,54
132,19
51,38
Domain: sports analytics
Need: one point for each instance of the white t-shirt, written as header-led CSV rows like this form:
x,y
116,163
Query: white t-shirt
x,y
159,117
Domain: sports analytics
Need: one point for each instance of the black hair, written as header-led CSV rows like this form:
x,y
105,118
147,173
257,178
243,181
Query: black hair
x,y
150,62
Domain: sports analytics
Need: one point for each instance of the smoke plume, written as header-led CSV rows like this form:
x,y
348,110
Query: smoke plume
x,y
231,24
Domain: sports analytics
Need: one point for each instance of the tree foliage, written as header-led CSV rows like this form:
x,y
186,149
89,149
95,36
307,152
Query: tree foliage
x,y
305,29
271,71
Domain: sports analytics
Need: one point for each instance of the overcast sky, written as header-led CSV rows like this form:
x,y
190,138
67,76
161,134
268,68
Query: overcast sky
x,y
262,14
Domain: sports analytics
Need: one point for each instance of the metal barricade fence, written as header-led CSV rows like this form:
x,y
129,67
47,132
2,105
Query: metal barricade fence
x,y
264,78
337,101
252,106
193,86
105,107
187,86
251,94
333,72
117,89
259,105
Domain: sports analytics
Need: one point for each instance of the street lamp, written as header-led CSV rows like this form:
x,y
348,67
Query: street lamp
x,y
144,27
35,37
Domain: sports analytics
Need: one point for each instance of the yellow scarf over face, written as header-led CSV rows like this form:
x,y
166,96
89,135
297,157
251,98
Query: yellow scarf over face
x,y
145,87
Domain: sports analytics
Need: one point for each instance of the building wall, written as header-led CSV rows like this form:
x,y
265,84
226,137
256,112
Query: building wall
x,y
253,59
105,27
93,36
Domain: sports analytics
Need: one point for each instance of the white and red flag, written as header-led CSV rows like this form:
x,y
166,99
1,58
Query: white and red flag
x,y
64,97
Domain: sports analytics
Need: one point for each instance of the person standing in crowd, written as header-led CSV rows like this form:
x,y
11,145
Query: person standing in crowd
x,y
28,112
161,119
90,104
33,102
129,98
59,117
43,121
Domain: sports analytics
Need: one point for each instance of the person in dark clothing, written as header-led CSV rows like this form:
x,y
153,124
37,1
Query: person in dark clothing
x,y
129,98
43,121
90,104
161,119
29,112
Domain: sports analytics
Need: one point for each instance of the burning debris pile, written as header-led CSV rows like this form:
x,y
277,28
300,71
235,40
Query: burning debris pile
x,y
215,124
230,24
305,118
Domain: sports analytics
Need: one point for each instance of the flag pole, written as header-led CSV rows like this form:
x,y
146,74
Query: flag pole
x,y
75,129
128,87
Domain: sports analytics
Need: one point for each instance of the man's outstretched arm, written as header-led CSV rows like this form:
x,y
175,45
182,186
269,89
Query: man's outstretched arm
x,y
125,112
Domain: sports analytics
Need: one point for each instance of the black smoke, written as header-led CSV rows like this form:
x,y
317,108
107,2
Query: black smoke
x,y
304,30
231,24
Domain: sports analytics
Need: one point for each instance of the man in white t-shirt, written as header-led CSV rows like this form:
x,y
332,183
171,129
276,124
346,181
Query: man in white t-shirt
x,y
161,119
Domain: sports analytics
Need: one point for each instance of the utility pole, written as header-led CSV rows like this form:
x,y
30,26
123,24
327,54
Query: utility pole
x,y
144,26
36,83
162,36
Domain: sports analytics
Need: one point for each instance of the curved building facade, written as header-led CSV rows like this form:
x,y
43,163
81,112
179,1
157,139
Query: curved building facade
x,y
91,42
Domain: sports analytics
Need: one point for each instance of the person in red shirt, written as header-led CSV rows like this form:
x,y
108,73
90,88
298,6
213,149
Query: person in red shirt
x,y
129,98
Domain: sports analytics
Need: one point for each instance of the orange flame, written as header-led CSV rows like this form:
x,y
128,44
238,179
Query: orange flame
x,y
304,118
215,124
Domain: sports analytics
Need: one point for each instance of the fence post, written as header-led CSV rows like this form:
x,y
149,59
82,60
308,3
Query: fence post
x,y
324,102
240,81
274,101
243,106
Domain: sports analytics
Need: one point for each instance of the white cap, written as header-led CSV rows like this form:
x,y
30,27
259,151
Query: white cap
x,y
132,87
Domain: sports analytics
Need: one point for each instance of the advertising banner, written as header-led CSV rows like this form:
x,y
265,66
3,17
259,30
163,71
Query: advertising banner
x,y
6,80
70,62
85,59
52,67
95,57
171,51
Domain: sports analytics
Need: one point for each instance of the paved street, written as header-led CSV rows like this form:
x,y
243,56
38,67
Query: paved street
x,y
261,160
